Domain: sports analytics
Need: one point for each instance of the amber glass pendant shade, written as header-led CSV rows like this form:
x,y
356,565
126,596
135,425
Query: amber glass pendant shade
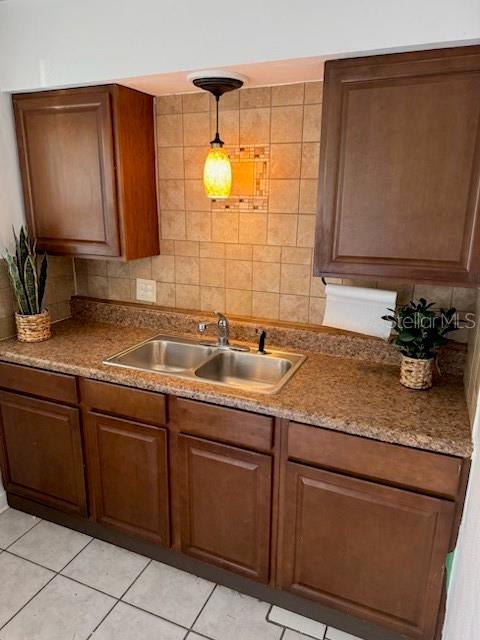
x,y
217,174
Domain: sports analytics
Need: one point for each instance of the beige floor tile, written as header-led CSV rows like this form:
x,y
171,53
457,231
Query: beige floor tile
x,y
50,545
63,610
20,580
297,623
170,593
14,524
336,634
230,615
106,567
128,623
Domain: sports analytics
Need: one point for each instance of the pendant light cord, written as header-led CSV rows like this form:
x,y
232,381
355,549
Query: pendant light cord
x,y
217,102
217,141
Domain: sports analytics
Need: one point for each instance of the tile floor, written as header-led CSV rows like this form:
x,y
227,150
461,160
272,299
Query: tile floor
x,y
58,584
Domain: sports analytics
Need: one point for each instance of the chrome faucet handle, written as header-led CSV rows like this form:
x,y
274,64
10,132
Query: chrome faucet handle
x,y
223,329
202,327
221,318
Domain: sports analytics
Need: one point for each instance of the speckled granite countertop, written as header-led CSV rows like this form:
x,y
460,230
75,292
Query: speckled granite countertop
x,y
353,396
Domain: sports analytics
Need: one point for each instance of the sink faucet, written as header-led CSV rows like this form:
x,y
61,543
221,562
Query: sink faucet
x,y
223,332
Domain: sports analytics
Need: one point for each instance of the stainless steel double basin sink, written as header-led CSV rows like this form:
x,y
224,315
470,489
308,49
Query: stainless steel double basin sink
x,y
185,358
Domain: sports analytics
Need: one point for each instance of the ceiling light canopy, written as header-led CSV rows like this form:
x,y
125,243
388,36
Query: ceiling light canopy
x,y
217,171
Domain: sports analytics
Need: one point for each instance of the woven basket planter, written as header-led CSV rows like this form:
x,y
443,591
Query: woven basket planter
x,y
416,374
34,328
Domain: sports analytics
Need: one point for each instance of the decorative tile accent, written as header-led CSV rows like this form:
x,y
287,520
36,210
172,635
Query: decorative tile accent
x,y
272,135
258,157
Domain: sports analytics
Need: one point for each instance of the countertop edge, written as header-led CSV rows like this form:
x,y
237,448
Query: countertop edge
x,y
226,398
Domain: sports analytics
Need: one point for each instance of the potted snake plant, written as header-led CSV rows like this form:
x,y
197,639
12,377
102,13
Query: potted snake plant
x,y
418,332
28,276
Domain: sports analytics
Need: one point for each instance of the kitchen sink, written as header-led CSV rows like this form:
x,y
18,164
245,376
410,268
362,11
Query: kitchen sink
x,y
188,358
244,369
161,354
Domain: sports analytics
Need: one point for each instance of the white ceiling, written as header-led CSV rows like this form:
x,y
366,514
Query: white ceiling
x,y
258,74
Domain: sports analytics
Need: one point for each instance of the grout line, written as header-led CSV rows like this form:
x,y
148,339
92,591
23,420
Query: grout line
x,y
135,580
202,609
23,534
155,615
55,575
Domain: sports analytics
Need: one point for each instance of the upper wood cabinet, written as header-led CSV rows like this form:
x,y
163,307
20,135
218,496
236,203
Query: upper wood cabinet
x,y
399,173
87,159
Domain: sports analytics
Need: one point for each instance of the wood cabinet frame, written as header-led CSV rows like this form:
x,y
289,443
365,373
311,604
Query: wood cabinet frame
x,y
199,424
344,79
112,128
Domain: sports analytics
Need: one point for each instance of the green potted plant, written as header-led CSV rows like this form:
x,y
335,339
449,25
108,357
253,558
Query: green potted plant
x,y
28,275
418,332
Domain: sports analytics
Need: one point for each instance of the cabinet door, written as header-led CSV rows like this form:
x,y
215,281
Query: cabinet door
x,y
400,167
373,551
128,476
65,142
225,506
41,452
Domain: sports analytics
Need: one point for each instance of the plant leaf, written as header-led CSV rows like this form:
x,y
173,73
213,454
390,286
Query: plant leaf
x,y
42,281
31,284
17,285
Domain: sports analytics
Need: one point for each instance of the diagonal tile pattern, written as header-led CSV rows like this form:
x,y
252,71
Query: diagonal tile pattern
x,y
13,524
170,593
58,584
106,567
128,623
50,545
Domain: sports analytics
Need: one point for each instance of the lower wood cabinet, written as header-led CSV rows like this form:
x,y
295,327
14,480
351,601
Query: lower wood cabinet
x,y
373,551
41,452
225,495
127,466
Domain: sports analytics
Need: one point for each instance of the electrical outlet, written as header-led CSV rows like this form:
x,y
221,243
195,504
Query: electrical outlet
x,y
146,290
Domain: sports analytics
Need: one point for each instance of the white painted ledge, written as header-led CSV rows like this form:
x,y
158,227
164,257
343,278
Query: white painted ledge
x,y
3,497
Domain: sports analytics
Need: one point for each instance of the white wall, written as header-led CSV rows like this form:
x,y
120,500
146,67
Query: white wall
x,y
11,203
463,605
62,42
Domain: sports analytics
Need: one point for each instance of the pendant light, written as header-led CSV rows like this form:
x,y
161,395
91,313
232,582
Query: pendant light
x,y
217,171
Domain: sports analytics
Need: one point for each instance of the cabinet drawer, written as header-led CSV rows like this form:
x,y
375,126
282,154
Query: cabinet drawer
x,y
433,473
37,382
227,425
124,401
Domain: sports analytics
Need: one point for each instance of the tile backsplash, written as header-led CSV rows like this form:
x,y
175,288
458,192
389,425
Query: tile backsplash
x,y
249,256
60,288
